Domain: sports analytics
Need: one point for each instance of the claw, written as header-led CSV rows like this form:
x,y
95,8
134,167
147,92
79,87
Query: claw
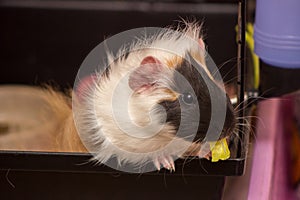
x,y
166,161
171,161
208,156
156,164
204,154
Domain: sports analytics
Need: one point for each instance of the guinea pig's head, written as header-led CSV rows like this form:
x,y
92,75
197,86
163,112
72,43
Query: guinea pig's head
x,y
184,89
193,109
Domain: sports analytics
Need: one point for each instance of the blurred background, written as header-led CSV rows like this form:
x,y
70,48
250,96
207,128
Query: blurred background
x,y
47,40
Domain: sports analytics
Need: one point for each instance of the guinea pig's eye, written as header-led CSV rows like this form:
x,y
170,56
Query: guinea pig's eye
x,y
187,98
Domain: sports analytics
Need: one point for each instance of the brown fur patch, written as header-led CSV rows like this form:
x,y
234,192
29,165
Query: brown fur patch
x,y
49,127
198,56
172,95
175,61
66,136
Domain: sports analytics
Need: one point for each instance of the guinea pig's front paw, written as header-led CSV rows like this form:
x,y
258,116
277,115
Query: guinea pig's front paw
x,y
204,152
166,162
205,155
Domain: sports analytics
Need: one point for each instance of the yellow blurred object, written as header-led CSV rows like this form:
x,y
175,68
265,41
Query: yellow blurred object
x,y
250,44
219,150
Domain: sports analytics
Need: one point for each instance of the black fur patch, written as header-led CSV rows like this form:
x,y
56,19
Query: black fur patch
x,y
193,79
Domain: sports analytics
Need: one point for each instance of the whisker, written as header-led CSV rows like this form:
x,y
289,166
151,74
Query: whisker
x,y
237,107
250,127
222,65
236,134
254,117
227,82
248,102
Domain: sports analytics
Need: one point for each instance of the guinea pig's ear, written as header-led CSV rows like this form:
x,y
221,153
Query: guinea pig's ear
x,y
201,43
146,75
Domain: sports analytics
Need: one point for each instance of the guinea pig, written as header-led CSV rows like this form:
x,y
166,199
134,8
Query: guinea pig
x,y
151,104
154,103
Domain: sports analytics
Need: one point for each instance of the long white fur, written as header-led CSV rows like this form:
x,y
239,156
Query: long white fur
x,y
95,118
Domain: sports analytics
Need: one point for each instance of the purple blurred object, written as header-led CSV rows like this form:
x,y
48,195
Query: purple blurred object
x,y
277,32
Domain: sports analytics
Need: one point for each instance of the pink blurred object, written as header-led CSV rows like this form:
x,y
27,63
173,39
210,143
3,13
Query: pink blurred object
x,y
270,168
